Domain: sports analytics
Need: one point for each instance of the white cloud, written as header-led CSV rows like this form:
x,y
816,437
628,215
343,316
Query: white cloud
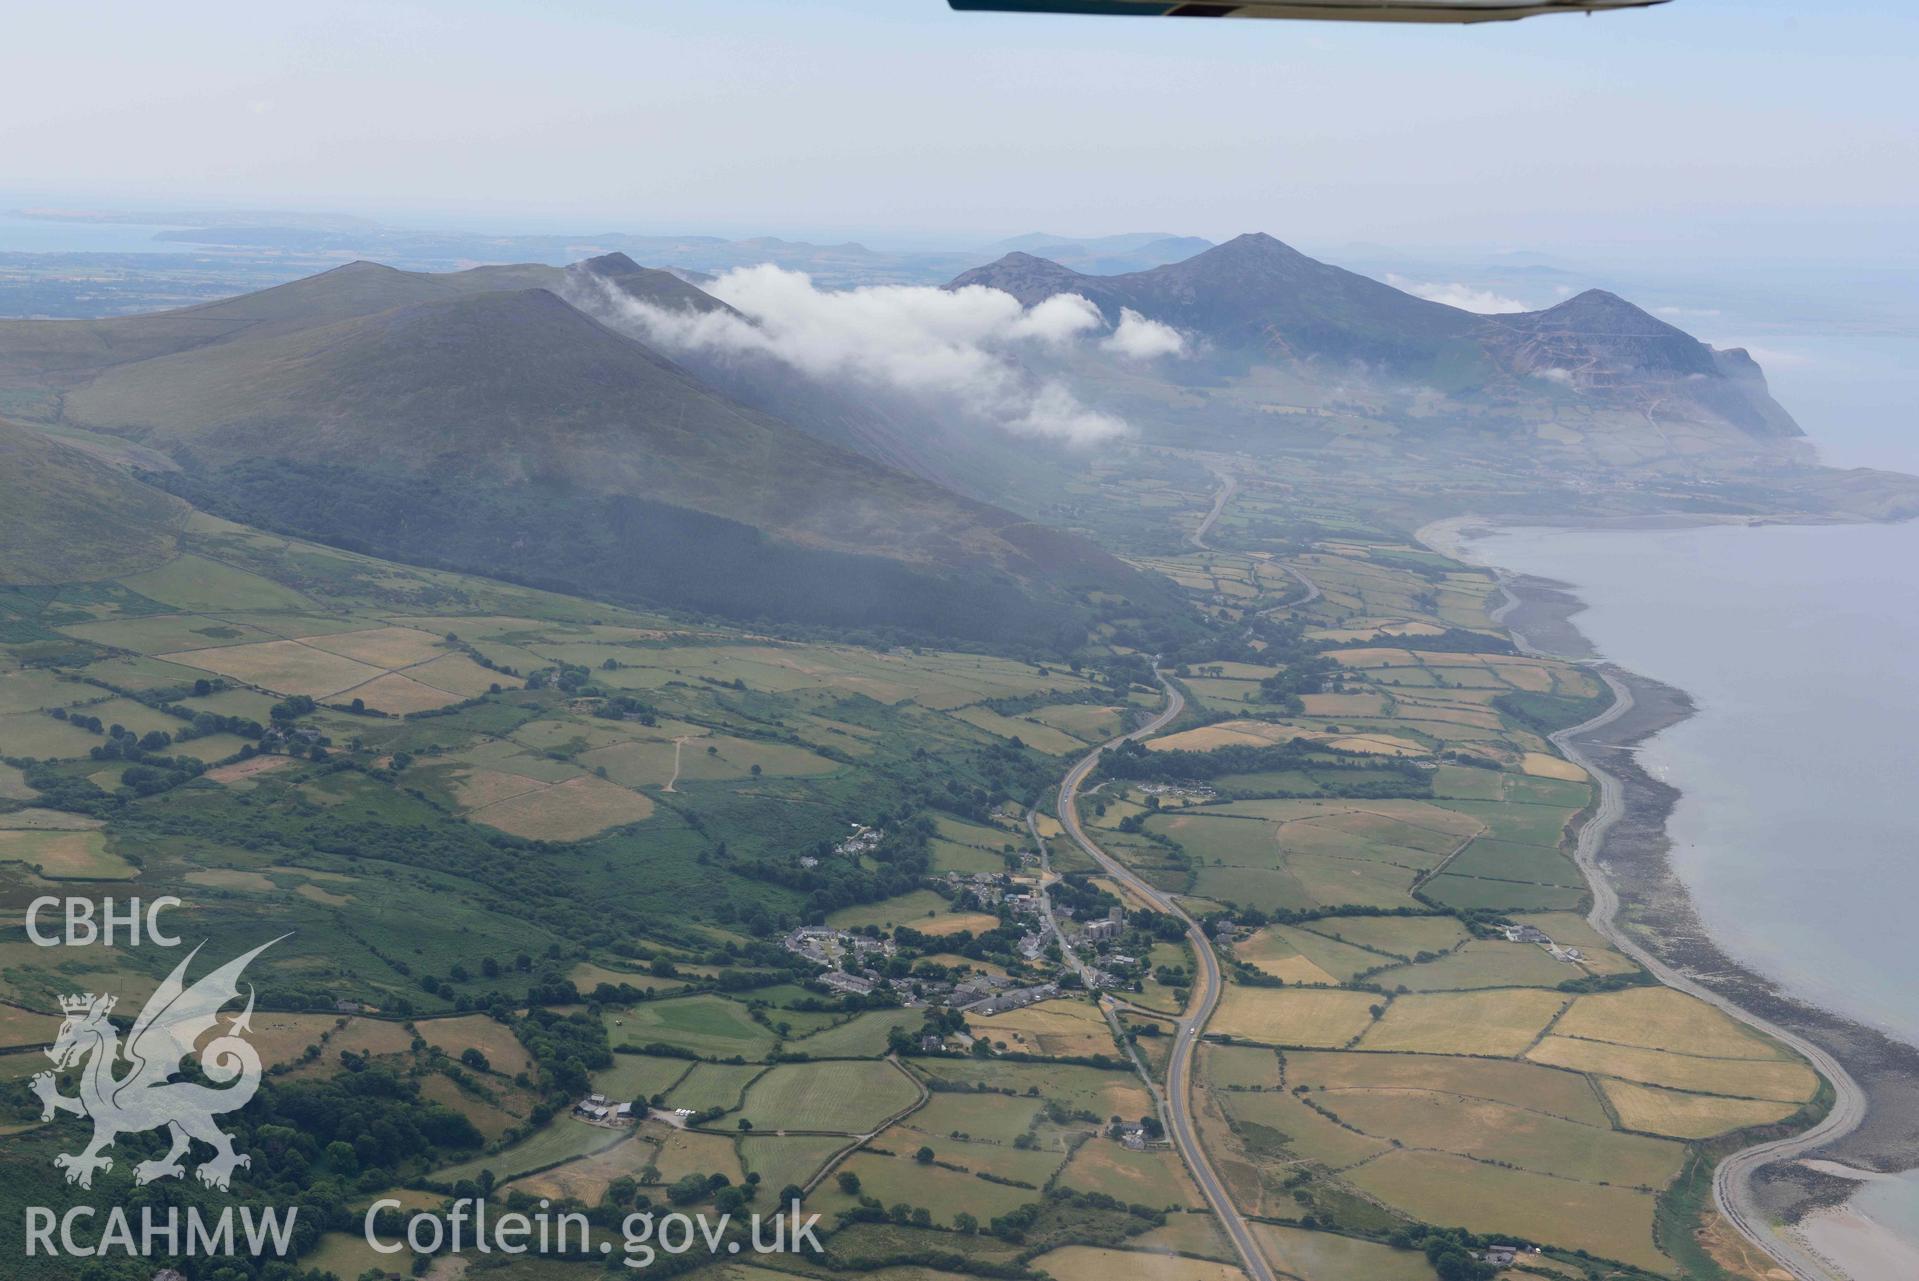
x,y
960,346
1138,338
1564,377
1454,294
1055,412
1687,311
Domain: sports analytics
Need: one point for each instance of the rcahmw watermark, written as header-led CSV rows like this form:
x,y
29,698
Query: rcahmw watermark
x,y
158,1232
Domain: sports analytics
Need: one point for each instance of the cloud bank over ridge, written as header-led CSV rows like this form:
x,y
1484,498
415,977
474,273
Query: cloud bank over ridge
x,y
964,347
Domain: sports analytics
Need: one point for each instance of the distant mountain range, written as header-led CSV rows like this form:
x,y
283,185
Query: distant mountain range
x,y
1256,300
835,265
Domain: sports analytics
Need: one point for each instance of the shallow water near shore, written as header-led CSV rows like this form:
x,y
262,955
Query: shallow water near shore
x,y
1798,830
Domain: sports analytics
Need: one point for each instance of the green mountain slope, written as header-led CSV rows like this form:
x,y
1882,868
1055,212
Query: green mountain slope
x,y
67,517
467,421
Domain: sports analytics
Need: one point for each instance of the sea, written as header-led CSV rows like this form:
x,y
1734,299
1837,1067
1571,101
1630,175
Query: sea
x,y
1797,831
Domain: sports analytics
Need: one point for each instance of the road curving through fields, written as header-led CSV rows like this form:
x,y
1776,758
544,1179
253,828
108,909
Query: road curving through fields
x,y
1207,986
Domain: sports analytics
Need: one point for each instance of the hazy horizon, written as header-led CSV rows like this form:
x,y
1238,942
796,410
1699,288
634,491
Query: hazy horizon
x,y
1674,133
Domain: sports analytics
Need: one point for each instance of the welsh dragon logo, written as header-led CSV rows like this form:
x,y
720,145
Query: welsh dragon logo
x,y
145,1096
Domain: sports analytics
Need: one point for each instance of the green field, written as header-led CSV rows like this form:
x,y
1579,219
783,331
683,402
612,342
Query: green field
x,y
712,1085
562,1139
710,1026
638,1076
844,1097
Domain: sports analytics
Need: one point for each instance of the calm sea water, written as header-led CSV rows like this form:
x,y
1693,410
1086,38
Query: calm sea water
x,y
1798,833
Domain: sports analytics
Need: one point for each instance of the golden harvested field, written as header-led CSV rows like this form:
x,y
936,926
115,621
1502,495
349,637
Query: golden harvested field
x,y
1300,956
1321,1019
1325,1256
1272,953
1499,1023
1436,1187
1375,744
1519,1084
478,788
387,647
1688,1116
1190,1234
684,1152
457,674
78,856
569,811
283,666
1093,1263
976,922
1057,1029
1137,1178
1540,765
476,1031
1741,1078
397,695
1224,734
1660,1018
1487,1131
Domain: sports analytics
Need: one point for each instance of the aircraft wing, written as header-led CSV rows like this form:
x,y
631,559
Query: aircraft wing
x,y
1348,10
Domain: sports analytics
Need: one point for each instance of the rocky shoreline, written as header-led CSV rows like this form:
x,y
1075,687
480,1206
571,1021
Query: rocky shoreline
x,y
1657,910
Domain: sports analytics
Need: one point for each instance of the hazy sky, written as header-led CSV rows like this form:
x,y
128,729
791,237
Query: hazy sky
x,y
1721,127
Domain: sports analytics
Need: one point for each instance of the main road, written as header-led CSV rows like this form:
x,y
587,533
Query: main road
x,y
1208,983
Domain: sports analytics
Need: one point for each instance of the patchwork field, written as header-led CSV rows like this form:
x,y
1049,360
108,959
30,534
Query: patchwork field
x,y
563,1140
1741,1078
850,1097
1499,1023
568,811
711,1026
1613,1222
1059,1029
713,1085
1294,1016
1687,1116
1323,1256
1093,1263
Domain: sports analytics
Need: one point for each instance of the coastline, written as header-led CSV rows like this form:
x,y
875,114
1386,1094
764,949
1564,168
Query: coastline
x,y
1873,1126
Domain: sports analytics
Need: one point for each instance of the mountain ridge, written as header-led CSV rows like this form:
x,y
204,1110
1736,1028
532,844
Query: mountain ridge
x,y
1256,298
